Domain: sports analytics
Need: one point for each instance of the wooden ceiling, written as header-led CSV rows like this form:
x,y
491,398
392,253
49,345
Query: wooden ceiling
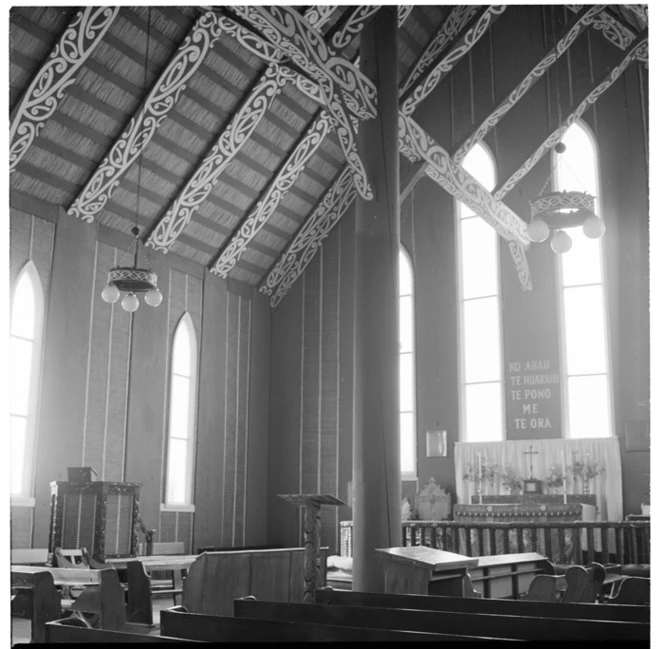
x,y
218,126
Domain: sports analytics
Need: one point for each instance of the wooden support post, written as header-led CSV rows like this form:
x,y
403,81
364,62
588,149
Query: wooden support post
x,y
376,468
311,504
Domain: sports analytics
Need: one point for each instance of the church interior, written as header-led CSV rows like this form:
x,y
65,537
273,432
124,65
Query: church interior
x,y
355,295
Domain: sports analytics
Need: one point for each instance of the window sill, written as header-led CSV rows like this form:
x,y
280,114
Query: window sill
x,y
22,501
408,477
177,508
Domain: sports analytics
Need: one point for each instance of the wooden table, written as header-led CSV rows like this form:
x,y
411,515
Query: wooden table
x,y
157,562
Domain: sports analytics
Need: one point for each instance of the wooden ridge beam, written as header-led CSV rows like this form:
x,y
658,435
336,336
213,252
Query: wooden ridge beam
x,y
575,114
143,125
58,72
573,31
422,87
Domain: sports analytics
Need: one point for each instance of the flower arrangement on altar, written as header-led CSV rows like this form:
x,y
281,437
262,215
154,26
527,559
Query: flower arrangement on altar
x,y
585,470
555,478
512,480
481,471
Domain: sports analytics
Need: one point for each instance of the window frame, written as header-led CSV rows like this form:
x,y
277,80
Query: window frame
x,y
409,475
460,302
188,504
560,300
29,270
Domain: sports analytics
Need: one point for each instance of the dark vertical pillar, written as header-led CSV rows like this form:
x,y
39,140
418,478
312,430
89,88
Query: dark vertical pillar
x,y
376,471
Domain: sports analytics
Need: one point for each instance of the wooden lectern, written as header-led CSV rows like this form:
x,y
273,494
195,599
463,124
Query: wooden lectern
x,y
419,570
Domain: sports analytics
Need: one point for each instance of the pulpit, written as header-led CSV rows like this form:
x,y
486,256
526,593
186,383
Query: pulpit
x,y
419,570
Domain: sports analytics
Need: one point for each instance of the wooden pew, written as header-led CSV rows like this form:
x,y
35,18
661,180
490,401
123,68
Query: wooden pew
x,y
508,575
101,594
507,627
73,631
524,608
36,598
177,622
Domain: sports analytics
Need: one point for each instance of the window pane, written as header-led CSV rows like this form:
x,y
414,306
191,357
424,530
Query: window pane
x,y
481,340
483,413
408,464
17,453
582,264
177,471
182,351
479,258
406,324
577,168
179,424
406,383
479,163
23,308
21,371
405,275
589,406
585,336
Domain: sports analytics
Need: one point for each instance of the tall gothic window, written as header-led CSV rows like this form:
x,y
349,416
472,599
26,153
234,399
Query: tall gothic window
x,y
407,367
480,362
585,363
181,425
25,351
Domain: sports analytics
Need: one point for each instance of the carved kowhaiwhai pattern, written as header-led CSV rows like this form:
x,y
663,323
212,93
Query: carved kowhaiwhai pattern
x,y
458,182
404,12
207,174
310,237
161,99
354,25
454,23
250,41
47,88
318,15
518,252
558,134
345,89
574,30
432,79
284,180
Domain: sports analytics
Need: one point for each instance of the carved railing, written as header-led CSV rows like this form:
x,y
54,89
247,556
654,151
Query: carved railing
x,y
622,542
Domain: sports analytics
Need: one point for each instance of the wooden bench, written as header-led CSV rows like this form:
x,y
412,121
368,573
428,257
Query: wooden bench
x,y
101,594
477,625
177,622
36,598
493,606
73,631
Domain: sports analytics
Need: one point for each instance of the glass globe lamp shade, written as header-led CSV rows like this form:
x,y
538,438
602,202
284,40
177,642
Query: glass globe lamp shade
x,y
130,302
110,294
561,242
593,227
537,230
153,297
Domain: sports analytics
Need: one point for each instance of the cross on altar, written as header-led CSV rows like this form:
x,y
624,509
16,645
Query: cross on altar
x,y
531,453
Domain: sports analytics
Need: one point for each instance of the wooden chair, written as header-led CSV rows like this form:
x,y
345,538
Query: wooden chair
x,y
632,590
72,559
545,588
173,584
578,582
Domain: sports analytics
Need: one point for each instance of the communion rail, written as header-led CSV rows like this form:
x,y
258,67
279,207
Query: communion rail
x,y
620,542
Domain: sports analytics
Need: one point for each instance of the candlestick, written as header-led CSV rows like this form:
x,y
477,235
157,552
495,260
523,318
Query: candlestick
x,y
479,479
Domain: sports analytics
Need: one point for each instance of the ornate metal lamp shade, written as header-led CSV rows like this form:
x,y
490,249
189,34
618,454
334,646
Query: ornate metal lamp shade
x,y
131,280
559,211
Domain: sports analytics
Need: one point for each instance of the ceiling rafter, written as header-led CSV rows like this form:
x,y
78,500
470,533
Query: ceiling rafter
x,y
574,115
200,184
614,31
456,20
153,110
461,45
573,31
346,90
47,88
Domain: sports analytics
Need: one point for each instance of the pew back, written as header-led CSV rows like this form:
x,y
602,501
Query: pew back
x,y
36,597
68,631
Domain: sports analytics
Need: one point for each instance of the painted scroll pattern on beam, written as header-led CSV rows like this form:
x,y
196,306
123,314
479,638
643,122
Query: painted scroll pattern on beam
x,y
310,237
198,188
250,41
422,90
404,12
355,24
458,182
318,15
454,23
284,180
161,99
345,88
583,106
41,99
518,252
507,104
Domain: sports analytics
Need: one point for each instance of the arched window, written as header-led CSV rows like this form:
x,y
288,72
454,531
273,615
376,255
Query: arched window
x,y
181,424
407,410
25,349
480,362
586,384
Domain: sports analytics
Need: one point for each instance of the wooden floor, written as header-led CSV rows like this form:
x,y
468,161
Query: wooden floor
x,y
21,631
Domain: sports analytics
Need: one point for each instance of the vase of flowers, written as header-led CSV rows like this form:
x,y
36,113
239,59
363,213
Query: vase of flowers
x,y
512,481
473,472
555,478
586,470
